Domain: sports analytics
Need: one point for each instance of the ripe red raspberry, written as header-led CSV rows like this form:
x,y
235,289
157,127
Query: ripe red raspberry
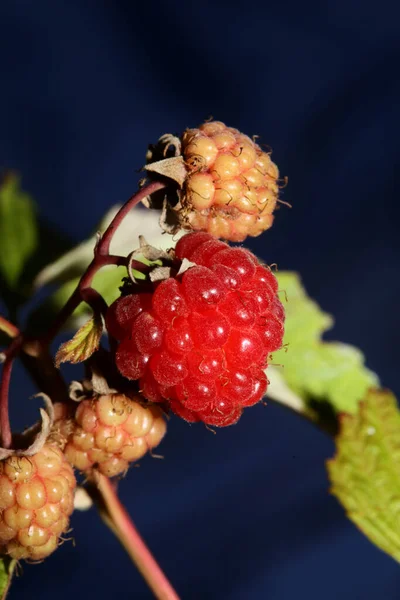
x,y
36,499
200,341
231,189
109,432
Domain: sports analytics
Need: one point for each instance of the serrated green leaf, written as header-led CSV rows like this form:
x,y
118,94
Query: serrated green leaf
x,y
18,230
7,566
365,472
315,370
84,343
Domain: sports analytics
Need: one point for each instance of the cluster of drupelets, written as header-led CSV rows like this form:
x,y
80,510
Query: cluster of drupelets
x,y
194,341
37,492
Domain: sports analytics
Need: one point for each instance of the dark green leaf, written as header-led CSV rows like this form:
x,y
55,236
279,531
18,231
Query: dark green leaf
x,y
18,230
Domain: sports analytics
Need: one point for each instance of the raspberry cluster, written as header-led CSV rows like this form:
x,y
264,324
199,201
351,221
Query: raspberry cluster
x,y
200,340
231,189
36,499
109,432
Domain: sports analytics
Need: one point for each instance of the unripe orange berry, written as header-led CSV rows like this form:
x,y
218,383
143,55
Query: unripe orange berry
x,y
110,431
231,188
36,499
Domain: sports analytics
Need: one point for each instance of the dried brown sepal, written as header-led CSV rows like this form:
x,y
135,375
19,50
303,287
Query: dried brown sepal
x,y
167,144
95,384
173,168
82,500
100,384
78,390
32,439
160,273
158,261
185,265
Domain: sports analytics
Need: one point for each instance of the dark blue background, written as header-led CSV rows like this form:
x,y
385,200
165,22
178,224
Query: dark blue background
x,y
84,87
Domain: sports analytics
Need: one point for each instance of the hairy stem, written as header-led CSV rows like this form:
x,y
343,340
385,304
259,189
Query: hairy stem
x,y
117,519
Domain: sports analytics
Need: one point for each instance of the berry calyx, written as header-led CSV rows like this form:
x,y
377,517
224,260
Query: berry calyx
x,y
36,499
110,431
201,345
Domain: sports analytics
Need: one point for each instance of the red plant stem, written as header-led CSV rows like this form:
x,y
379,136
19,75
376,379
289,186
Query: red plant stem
x,y
101,259
95,300
9,329
11,352
103,247
117,518
6,436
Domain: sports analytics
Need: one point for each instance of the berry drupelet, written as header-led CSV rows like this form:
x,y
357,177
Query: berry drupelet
x,y
36,499
108,432
199,341
231,189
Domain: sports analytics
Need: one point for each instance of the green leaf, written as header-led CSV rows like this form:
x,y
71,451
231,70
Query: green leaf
x,y
18,229
7,566
315,370
84,343
53,244
21,254
365,472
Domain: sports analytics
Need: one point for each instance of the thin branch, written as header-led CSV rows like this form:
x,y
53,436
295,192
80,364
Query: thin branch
x,y
95,300
39,363
117,519
10,353
104,244
101,259
6,435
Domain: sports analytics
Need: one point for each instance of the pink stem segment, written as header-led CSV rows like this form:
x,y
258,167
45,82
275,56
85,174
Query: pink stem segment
x,y
116,517
11,352
101,258
6,436
103,247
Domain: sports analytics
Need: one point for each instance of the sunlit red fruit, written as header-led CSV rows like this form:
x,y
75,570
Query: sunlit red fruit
x,y
200,341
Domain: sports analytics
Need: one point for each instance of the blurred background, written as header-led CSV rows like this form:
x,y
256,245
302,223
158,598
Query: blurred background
x,y
85,87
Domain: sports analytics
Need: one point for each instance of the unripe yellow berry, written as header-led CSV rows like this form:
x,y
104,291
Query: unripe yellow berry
x,y
36,499
110,431
230,182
